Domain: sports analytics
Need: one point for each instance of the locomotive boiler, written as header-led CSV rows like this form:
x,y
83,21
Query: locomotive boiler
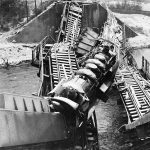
x,y
87,85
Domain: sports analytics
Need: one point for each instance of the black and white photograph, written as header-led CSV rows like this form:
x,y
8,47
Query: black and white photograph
x,y
74,74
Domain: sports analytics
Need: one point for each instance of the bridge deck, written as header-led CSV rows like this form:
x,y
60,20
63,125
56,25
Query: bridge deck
x,y
134,91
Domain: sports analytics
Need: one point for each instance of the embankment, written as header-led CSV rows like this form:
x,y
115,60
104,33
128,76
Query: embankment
x,y
45,23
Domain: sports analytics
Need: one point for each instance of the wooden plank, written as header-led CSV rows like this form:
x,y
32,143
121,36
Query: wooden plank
x,y
88,41
20,128
92,33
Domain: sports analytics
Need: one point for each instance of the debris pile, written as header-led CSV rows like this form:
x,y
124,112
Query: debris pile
x,y
12,54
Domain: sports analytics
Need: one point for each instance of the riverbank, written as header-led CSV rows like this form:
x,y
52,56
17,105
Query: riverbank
x,y
144,5
22,80
14,53
141,25
137,19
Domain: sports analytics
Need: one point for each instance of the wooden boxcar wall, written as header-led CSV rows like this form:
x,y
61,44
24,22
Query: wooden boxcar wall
x,y
94,16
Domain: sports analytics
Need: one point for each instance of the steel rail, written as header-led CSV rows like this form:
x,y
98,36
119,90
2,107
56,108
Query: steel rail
x,y
138,101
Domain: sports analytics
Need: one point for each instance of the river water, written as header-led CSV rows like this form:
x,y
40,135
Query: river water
x,y
23,80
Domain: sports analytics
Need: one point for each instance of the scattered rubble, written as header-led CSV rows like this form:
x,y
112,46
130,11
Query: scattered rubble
x,y
13,53
141,25
140,41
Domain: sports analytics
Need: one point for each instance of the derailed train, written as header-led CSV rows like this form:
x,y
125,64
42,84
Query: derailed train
x,y
77,96
76,72
90,82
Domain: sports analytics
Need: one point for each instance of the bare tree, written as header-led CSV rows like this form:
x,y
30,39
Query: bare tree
x,y
35,7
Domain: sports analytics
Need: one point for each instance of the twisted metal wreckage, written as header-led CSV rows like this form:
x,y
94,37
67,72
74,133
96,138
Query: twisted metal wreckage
x,y
76,73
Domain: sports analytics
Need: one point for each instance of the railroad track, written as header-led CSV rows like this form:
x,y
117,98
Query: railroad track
x,y
134,96
63,63
59,61
73,23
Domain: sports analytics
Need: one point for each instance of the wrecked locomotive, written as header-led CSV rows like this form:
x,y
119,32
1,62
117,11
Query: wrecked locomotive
x,y
76,72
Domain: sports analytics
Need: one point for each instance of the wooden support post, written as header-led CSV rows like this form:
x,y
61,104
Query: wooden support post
x,y
50,73
147,67
124,42
41,4
35,8
124,37
143,63
27,13
41,53
42,69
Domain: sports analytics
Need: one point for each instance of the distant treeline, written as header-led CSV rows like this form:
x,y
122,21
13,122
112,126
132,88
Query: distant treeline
x,y
127,5
11,12
14,12
131,7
